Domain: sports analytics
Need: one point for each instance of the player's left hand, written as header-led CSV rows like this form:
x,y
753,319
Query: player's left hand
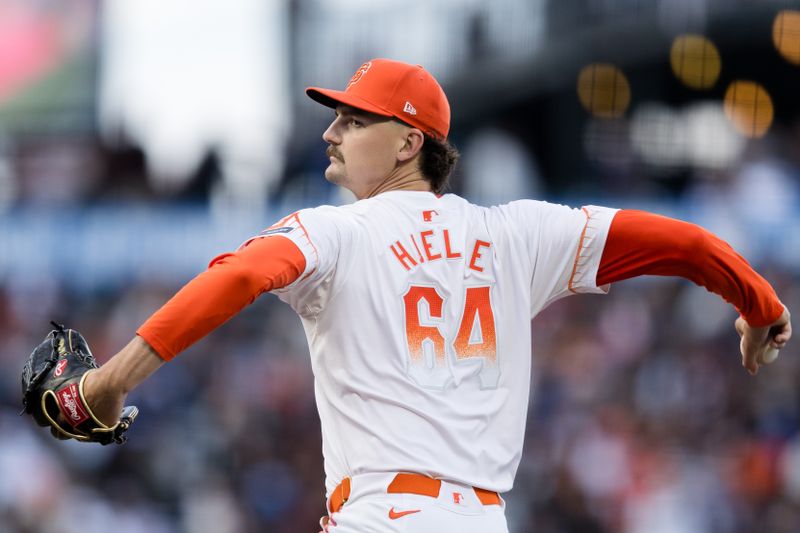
x,y
758,345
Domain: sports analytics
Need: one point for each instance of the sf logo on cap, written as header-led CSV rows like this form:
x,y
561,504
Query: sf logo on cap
x,y
359,74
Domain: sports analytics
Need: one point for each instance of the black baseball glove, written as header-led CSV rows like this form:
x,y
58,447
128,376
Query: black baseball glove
x,y
52,385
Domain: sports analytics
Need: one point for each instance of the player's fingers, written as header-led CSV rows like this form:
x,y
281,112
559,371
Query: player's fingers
x,y
747,346
780,335
786,332
778,342
749,355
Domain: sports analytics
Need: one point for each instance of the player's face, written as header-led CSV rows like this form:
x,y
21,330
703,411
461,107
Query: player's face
x,y
363,149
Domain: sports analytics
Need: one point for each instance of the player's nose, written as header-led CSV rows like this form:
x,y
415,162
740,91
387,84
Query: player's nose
x,y
331,136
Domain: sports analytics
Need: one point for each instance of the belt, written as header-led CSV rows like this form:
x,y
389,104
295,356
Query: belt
x,y
407,483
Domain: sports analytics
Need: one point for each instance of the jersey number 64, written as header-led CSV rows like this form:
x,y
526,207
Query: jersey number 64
x,y
474,345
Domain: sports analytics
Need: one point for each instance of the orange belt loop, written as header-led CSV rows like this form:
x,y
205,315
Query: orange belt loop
x,y
414,484
487,497
339,495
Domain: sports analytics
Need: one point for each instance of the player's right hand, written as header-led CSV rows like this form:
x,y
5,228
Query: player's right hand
x,y
756,342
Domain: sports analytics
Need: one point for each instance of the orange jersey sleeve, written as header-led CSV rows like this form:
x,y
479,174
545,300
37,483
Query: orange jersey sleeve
x,y
642,243
232,281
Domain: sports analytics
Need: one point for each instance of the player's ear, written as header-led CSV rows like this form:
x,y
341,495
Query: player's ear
x,y
411,144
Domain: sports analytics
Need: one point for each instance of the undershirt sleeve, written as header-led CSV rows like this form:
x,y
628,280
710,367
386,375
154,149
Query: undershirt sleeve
x,y
231,282
641,243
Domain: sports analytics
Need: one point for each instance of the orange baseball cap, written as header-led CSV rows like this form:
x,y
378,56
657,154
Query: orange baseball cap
x,y
393,89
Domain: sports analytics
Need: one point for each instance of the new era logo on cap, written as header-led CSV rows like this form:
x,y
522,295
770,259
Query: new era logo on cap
x,y
387,88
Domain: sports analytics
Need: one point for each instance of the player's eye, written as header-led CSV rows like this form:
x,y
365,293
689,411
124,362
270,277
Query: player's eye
x,y
355,122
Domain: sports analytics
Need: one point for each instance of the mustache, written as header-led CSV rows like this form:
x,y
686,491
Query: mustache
x,y
332,151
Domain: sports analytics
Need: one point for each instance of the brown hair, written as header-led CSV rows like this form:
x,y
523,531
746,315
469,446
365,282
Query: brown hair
x,y
437,160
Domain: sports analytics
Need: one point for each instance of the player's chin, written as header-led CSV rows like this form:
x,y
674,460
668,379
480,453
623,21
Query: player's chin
x,y
334,175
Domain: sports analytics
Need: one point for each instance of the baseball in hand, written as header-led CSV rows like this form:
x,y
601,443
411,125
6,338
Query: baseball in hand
x,y
768,356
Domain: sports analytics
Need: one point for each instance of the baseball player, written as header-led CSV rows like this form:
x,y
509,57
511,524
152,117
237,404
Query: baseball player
x,y
417,307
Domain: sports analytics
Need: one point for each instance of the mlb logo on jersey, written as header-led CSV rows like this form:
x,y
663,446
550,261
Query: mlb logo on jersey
x,y
427,216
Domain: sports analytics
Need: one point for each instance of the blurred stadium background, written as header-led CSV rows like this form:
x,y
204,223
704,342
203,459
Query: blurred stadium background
x,y
139,139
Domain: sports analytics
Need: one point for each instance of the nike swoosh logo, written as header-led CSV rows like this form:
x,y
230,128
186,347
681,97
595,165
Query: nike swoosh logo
x,y
394,515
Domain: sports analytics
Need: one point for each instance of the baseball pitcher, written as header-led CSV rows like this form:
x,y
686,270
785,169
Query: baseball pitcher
x,y
417,308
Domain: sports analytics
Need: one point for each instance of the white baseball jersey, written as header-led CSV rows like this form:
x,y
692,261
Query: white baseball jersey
x,y
417,310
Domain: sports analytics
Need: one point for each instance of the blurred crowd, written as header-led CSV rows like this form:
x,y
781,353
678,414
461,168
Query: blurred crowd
x,y
641,420
122,166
